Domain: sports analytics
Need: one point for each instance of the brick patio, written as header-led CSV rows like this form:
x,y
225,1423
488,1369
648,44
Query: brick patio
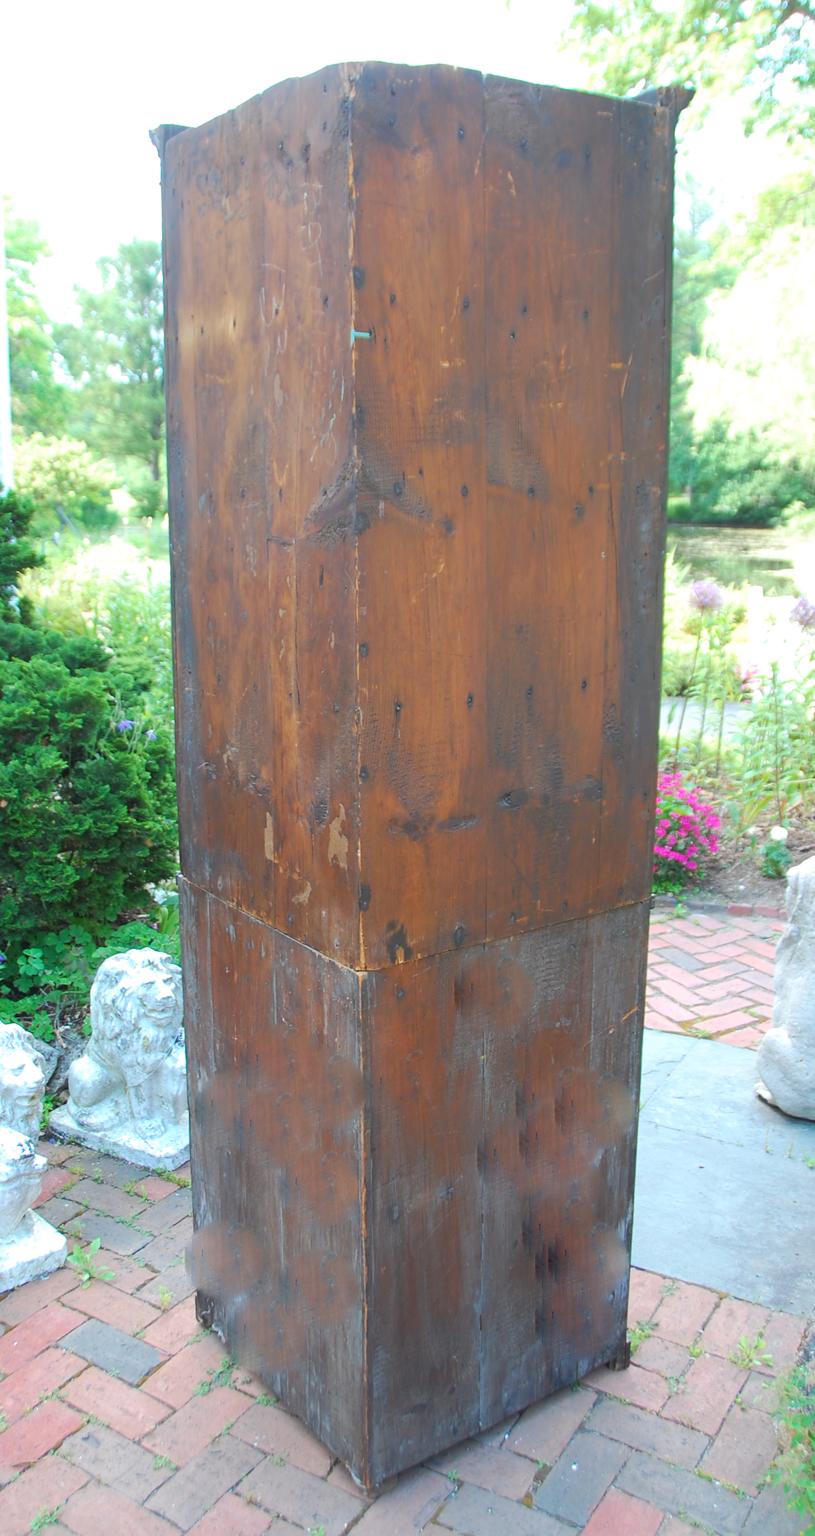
x,y
712,976
124,1419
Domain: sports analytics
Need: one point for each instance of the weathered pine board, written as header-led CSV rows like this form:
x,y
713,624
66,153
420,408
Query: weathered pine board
x,y
413,1186
418,577
417,349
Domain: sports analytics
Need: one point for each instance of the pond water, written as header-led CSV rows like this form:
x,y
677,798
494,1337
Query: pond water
x,y
776,559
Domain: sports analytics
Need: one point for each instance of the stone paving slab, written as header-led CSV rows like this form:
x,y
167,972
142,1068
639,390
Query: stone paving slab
x,y
717,1169
146,1429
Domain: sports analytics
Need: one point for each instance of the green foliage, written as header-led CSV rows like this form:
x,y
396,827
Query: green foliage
x,y
83,1260
766,48
115,357
795,1468
128,614
38,399
775,860
774,764
751,1354
733,479
65,483
222,1377
17,554
86,787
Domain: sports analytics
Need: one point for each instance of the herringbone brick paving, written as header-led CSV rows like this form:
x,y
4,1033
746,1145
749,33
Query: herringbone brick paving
x,y
123,1418
712,976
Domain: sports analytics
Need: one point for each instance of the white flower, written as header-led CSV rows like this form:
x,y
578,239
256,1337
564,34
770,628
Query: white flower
x,y
751,832
778,834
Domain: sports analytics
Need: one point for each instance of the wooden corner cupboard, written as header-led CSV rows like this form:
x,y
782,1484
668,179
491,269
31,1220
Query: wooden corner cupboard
x,y
417,385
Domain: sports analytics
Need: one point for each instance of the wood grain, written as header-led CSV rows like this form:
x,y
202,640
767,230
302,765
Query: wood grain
x,y
417,349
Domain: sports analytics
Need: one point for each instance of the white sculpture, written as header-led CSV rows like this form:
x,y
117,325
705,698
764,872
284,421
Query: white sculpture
x,y
786,1057
29,1246
22,1081
128,1093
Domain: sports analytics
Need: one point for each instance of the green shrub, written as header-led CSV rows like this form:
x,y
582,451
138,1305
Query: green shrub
x,y
87,805
65,483
738,483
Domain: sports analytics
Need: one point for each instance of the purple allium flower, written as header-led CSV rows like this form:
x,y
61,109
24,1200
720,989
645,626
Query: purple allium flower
x,y
2,959
804,614
151,735
124,725
705,595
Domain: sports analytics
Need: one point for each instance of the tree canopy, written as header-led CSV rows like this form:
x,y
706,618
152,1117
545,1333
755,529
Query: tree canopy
x,y
765,48
39,402
115,356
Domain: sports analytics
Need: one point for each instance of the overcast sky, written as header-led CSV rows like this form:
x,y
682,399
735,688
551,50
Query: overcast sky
x,y
83,83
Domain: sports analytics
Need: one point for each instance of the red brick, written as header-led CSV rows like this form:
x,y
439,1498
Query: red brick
x,y
244,1381
298,1496
543,1432
743,1449
192,1428
174,1283
782,1335
747,1039
655,1021
277,1433
174,1328
644,1295
34,1335
760,1392
128,1274
643,1388
662,1356
677,973
721,1026
683,1311
728,1014
707,1392
104,1197
408,1508
232,1516
670,1010
100,1511
45,1373
191,1492
680,994
37,1433
113,1306
30,1298
55,1179
123,1408
42,1487
499,1471
722,971
733,1320
619,1514
55,1151
176,1381
154,1188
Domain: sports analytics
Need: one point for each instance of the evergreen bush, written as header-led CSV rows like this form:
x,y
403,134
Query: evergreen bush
x,y
87,800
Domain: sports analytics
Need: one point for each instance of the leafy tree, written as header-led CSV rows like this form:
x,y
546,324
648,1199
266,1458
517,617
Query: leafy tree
x,y
116,358
38,398
65,482
756,368
87,806
699,270
765,46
